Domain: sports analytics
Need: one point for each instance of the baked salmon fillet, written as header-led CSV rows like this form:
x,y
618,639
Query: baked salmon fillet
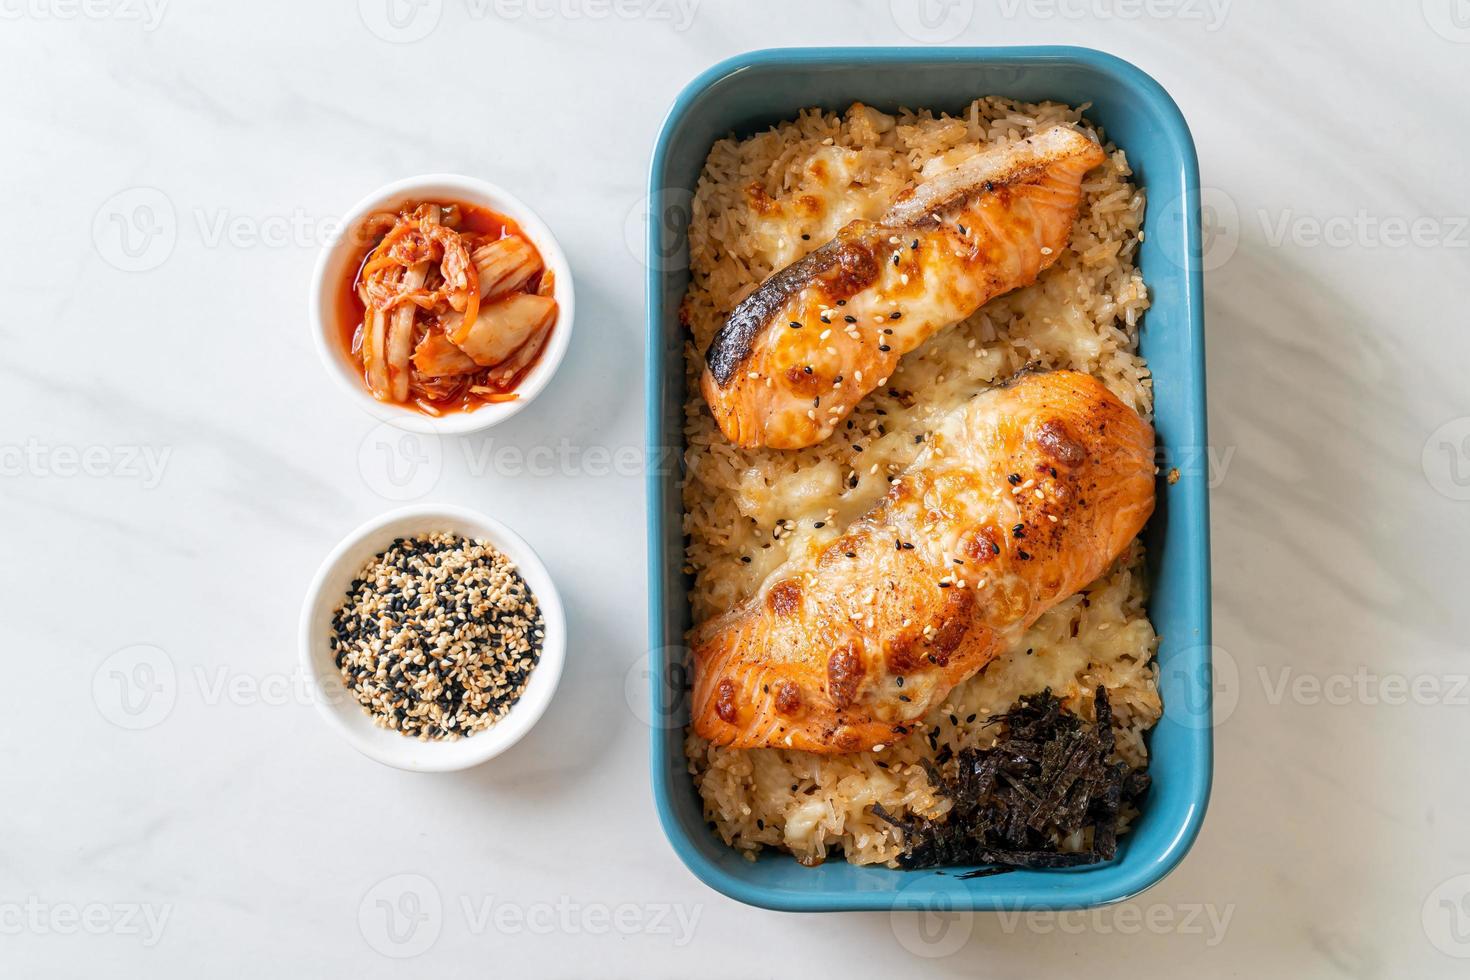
x,y
1020,498
795,357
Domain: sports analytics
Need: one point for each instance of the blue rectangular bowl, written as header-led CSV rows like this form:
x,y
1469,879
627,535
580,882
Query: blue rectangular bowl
x,y
750,92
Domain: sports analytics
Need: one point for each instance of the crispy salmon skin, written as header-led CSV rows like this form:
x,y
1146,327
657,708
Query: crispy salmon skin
x,y
795,357
1020,498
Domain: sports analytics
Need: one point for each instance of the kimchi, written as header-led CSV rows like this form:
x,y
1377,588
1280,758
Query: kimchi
x,y
448,308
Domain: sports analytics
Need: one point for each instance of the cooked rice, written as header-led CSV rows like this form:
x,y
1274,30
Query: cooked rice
x,y
765,201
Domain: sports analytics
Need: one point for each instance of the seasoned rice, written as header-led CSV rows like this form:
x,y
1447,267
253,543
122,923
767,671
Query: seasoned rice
x,y
763,202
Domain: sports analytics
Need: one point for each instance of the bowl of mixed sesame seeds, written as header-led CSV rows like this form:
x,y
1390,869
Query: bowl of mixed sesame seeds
x,y
435,638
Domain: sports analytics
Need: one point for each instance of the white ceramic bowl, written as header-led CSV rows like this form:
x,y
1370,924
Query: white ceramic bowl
x,y
343,711
332,265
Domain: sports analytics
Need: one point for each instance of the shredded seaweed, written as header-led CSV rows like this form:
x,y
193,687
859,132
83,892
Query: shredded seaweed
x,y
1049,777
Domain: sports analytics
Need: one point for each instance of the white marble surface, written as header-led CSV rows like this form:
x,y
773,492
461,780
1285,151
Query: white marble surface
x,y
176,464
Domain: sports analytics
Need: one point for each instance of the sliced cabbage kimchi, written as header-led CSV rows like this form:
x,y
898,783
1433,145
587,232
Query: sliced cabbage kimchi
x,y
448,309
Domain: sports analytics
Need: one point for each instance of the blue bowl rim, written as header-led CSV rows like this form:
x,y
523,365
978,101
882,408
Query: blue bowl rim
x,y
1147,872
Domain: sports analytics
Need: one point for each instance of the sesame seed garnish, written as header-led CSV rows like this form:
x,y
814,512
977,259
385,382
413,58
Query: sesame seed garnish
x,y
795,324
437,636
